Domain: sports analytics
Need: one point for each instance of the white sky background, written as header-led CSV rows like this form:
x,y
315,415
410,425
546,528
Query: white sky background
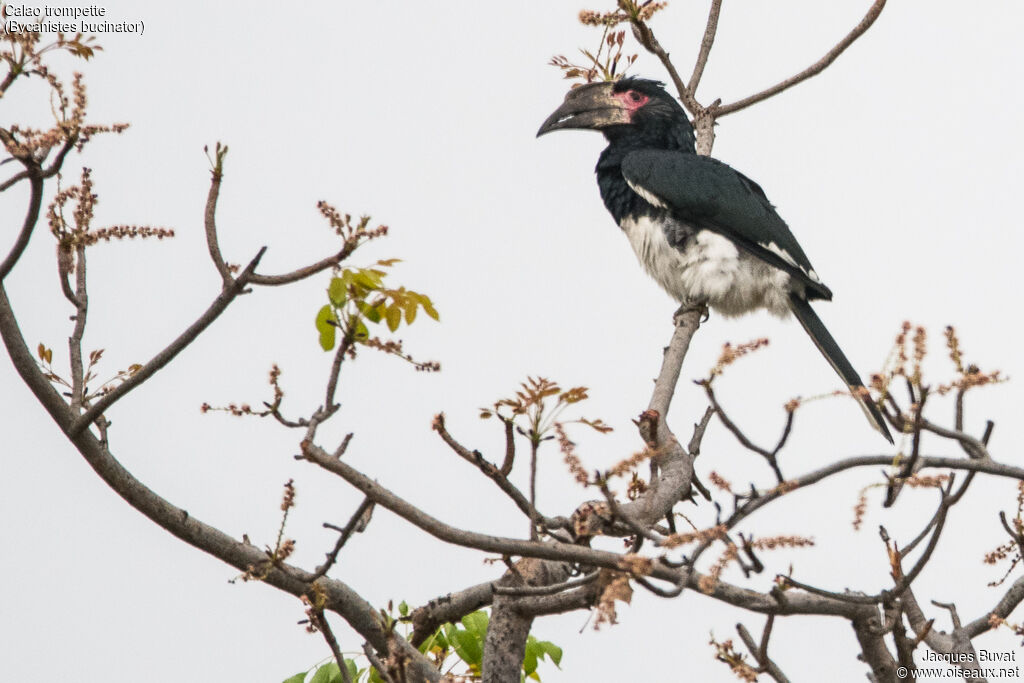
x,y
898,169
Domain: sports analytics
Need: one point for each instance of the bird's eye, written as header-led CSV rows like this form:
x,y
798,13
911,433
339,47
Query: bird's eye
x,y
635,96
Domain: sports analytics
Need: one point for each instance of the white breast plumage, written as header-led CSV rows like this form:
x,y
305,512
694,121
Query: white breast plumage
x,y
709,268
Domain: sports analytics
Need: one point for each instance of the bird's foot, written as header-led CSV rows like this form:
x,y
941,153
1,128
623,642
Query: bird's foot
x,y
699,306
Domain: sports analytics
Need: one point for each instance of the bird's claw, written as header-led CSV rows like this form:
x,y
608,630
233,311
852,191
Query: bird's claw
x,y
700,307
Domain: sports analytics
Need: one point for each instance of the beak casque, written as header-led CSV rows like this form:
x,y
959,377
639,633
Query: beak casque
x,y
589,106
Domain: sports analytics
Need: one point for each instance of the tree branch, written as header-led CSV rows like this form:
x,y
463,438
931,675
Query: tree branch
x,y
705,48
343,537
496,475
164,357
210,218
31,218
813,70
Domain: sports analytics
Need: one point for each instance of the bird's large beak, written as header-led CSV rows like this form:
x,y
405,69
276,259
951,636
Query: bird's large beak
x,y
588,106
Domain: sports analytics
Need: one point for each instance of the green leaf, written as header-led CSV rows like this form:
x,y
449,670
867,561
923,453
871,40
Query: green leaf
x,y
409,304
530,659
403,608
325,325
353,670
468,647
337,292
328,673
361,333
437,640
297,678
551,650
476,622
372,313
394,316
429,307
367,279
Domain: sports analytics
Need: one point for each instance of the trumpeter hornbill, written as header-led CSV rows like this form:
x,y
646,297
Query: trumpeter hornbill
x,y
704,231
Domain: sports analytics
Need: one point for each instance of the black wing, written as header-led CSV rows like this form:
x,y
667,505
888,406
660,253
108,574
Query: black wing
x,y
711,195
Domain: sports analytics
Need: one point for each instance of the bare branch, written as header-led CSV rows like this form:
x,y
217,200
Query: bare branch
x,y
760,652
693,448
551,589
769,456
346,533
305,272
320,622
164,357
210,217
332,380
75,340
645,36
1009,602
813,70
376,663
705,47
435,527
510,448
495,474
31,218
870,634
448,608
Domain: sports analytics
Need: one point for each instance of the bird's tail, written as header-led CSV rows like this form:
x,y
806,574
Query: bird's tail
x,y
834,355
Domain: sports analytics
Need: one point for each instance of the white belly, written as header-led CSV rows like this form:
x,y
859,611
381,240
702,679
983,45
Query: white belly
x,y
710,269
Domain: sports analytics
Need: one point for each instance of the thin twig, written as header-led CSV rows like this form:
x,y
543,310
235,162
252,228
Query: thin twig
x,y
954,499
550,589
760,652
769,456
903,582
693,448
28,225
343,537
645,36
75,340
705,47
304,272
852,598
673,592
812,70
488,468
164,357
210,218
332,379
376,663
320,622
618,513
510,448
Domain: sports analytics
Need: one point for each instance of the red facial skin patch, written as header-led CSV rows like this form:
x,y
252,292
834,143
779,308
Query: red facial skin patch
x,y
631,100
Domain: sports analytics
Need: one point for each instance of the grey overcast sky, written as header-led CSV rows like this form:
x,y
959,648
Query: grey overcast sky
x,y
898,169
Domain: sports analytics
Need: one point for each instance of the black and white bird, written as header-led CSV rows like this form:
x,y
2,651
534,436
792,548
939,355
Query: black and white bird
x,y
705,232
